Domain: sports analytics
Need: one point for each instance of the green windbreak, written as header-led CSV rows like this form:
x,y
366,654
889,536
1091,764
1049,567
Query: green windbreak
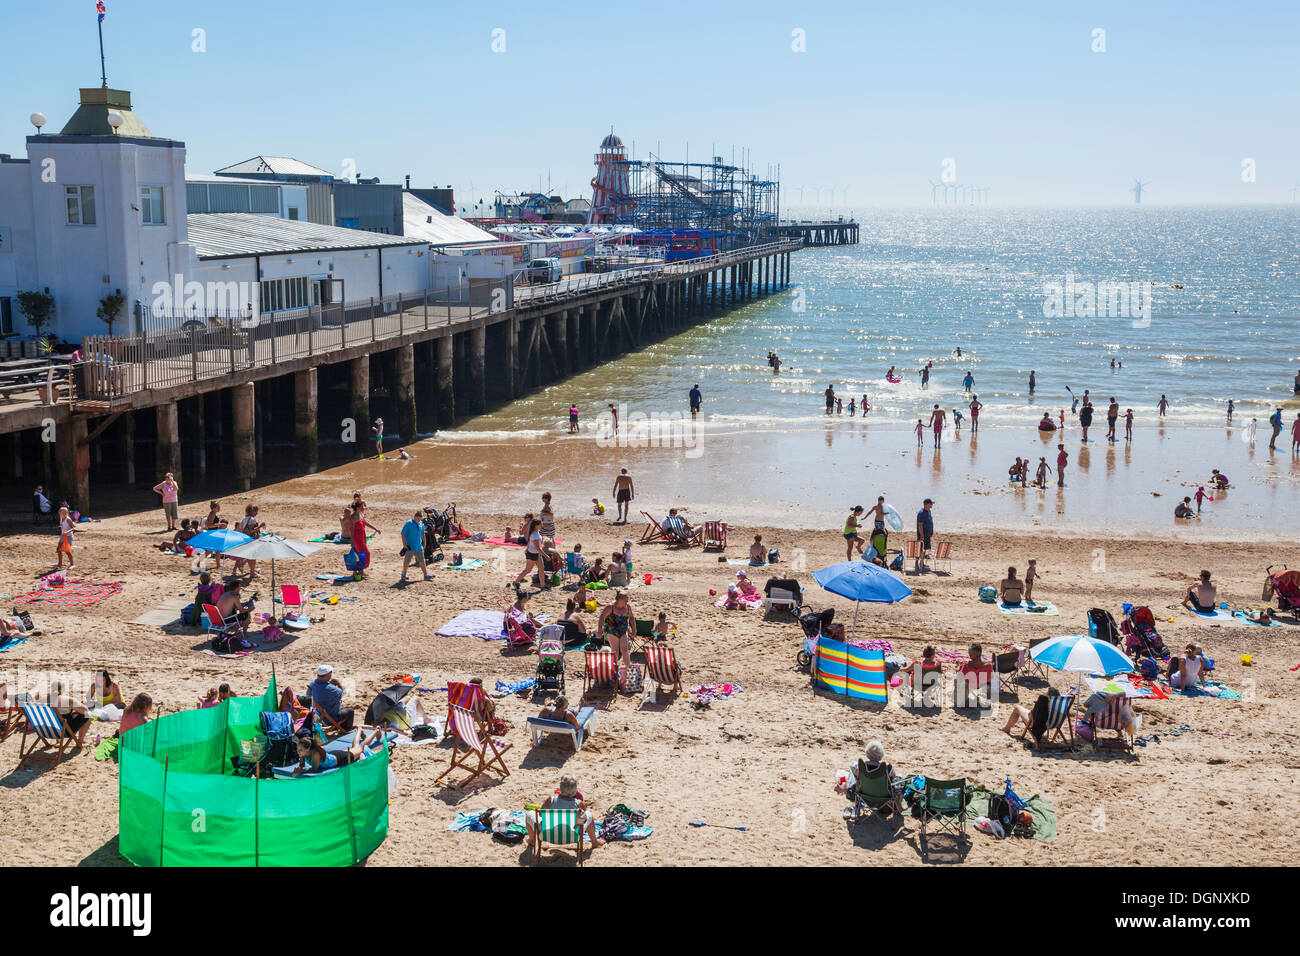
x,y
181,804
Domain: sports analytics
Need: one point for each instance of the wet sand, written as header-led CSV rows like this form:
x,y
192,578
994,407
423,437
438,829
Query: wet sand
x,y
765,759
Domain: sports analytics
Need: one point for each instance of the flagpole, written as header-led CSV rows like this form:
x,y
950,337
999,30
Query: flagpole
x,y
103,72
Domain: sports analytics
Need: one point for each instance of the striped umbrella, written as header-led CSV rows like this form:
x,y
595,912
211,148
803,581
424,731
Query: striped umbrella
x,y
1081,653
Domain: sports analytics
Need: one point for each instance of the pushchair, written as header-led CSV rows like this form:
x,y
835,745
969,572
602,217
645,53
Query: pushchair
x,y
814,624
1101,624
550,660
1285,586
1140,636
440,527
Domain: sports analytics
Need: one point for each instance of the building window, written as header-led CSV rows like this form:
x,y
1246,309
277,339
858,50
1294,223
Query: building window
x,y
293,213
81,205
280,294
151,206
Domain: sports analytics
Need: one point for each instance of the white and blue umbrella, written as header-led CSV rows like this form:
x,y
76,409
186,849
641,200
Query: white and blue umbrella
x,y
218,540
1083,654
859,581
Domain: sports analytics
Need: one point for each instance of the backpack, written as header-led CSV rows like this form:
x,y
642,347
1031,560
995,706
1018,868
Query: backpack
x,y
988,594
1000,810
897,563
226,643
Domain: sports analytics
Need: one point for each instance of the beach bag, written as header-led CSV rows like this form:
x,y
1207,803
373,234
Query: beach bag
x,y
1149,669
226,643
897,563
774,556
188,617
614,826
26,619
988,594
1000,810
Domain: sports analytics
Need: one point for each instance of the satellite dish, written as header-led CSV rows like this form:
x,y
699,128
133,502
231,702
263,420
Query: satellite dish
x,y
115,120
38,120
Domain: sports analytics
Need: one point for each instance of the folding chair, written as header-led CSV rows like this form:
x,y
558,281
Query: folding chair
x,y
662,670
291,598
943,552
715,536
47,729
944,804
487,751
9,721
1111,719
973,688
574,564
653,531
874,793
690,535
1007,667
931,692
557,828
332,726
602,668
780,598
215,622
644,636
1032,666
1058,723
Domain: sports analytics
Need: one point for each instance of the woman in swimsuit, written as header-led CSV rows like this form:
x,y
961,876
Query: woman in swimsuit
x,y
310,751
548,517
617,624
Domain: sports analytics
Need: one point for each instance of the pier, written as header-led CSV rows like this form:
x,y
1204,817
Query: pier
x,y
837,233
212,395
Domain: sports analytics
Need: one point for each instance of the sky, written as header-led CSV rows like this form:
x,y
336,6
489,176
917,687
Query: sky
x,y
860,103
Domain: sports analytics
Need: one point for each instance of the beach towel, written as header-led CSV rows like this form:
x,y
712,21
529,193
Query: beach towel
x,y
747,602
166,613
504,689
1218,614
501,542
335,578
1030,609
468,564
1244,618
628,835
74,593
11,643
743,563
1135,688
488,625
1220,691
706,694
106,749
1040,808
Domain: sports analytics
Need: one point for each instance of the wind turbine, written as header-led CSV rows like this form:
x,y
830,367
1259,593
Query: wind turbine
x,y
1294,190
1138,186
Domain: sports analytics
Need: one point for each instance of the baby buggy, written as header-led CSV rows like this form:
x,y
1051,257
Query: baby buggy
x,y
440,527
1140,637
550,660
814,624
1285,586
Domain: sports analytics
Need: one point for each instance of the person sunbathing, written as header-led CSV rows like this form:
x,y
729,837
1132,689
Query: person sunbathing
x,y
73,711
177,544
757,552
1098,702
486,710
1012,589
1188,671
311,752
567,797
559,709
1035,720
298,712
11,627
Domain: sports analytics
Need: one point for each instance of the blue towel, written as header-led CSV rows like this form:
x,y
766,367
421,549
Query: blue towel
x,y
12,643
505,690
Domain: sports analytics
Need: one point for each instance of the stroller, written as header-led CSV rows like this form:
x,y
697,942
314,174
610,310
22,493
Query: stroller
x,y
1140,637
1285,585
814,624
1101,624
550,660
440,527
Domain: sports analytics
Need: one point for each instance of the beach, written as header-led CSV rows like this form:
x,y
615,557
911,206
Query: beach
x,y
764,759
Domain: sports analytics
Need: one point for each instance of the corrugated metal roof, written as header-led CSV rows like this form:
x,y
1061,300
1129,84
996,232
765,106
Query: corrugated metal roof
x,y
279,165
220,234
425,222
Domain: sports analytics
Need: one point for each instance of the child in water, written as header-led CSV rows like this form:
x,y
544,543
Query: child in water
x,y
920,434
1201,496
956,418
853,407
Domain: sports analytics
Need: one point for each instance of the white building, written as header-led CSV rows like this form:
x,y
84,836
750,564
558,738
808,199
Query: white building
x,y
101,207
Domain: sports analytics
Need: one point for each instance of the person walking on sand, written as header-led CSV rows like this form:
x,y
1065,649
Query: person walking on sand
x,y
413,534
65,540
1163,405
696,399
975,406
851,536
1062,459
171,493
1112,416
624,492
936,422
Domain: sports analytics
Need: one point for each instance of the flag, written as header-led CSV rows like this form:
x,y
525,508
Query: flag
x,y
100,9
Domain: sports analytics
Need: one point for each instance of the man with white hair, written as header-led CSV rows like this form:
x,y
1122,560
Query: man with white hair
x,y
326,693
569,798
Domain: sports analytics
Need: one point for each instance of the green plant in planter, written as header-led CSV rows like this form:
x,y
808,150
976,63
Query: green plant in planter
x,y
37,308
110,307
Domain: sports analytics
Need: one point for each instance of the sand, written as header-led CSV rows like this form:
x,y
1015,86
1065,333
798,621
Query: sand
x,y
765,759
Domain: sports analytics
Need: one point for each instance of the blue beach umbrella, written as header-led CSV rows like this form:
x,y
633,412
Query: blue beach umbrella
x,y
218,539
859,581
1081,653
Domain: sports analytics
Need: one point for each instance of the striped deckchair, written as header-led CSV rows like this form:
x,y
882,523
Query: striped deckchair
x,y
1058,723
465,695
913,552
661,670
558,828
653,531
486,751
602,668
1111,719
943,552
715,536
47,729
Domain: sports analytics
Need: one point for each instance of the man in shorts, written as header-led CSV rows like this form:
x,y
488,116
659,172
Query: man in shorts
x,y
413,545
624,492
1112,416
696,399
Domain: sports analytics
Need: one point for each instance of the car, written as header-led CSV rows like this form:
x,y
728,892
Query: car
x,y
544,270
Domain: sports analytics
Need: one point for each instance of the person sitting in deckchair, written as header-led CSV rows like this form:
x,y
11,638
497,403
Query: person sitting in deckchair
x,y
311,752
1035,720
1098,702
568,797
1012,589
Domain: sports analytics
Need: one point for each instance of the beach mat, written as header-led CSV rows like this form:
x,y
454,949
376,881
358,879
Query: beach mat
x,y
1040,808
468,564
501,542
75,593
742,563
1224,692
1244,619
1133,688
10,643
1218,614
748,602
335,578
169,612
488,625
1049,609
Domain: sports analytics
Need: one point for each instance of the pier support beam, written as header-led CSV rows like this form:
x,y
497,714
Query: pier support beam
x,y
446,383
168,455
589,334
407,416
72,459
242,407
513,371
359,378
477,362
126,438
305,411
559,338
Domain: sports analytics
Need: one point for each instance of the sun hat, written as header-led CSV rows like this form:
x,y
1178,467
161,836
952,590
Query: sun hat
x,y
323,670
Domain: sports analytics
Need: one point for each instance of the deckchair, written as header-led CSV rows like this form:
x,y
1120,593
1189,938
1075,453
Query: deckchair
x,y
944,804
465,695
332,726
715,536
912,551
540,727
215,622
943,552
1037,668
1058,723
653,531
558,828
574,564
486,752
690,535
47,729
9,721
516,637
874,793
1111,719
602,668
291,598
661,670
